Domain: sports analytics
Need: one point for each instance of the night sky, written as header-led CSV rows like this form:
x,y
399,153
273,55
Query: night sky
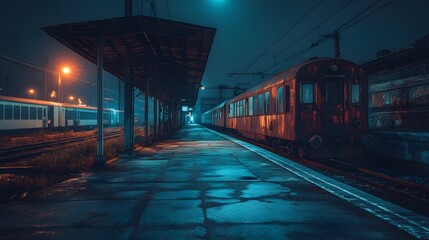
x,y
252,36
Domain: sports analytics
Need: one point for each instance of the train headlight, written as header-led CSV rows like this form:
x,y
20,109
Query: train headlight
x,y
316,141
368,140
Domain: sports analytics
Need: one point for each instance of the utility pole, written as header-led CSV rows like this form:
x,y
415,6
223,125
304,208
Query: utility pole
x,y
336,38
46,78
337,44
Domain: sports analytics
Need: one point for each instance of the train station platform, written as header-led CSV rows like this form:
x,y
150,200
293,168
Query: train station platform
x,y
205,185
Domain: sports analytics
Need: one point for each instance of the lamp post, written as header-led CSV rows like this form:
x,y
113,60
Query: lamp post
x,y
65,70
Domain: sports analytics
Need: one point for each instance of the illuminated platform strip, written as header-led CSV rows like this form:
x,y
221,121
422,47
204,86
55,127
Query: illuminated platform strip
x,y
414,224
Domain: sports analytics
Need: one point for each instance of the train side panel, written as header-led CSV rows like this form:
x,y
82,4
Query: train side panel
x,y
14,115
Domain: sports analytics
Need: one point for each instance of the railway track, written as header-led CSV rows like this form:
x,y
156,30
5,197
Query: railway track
x,y
19,152
405,193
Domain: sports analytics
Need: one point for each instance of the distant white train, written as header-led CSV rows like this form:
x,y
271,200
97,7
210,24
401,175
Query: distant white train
x,y
21,113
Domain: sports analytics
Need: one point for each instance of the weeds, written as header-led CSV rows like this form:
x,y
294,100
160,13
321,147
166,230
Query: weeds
x,y
55,167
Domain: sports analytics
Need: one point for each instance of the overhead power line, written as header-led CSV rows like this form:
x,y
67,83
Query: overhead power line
x,y
313,29
16,61
283,35
340,29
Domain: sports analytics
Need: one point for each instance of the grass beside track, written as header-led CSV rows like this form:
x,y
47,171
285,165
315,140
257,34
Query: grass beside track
x,y
55,167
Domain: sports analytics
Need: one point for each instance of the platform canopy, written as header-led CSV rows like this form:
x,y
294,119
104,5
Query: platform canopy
x,y
171,55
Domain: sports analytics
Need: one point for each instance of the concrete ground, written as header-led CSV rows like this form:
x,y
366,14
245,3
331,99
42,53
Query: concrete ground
x,y
196,186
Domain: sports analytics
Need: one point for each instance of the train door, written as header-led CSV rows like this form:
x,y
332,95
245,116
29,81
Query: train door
x,y
333,103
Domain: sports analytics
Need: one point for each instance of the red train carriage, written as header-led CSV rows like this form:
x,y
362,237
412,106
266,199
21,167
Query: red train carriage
x,y
318,108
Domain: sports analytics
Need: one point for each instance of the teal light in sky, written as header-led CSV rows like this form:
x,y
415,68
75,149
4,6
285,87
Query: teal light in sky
x,y
218,1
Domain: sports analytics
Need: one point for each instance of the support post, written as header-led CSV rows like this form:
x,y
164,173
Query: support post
x,y
146,114
155,117
119,95
129,112
100,161
128,8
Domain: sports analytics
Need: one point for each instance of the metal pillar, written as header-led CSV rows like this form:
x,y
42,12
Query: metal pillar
x,y
119,95
129,112
155,117
128,8
100,134
167,119
146,114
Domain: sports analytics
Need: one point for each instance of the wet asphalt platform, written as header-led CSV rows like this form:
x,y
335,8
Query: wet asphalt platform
x,y
197,185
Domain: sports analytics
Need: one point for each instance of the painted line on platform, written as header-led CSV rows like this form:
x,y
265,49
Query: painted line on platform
x,y
414,224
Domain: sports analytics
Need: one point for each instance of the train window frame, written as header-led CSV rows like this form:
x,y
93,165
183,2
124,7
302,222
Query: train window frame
x,y
287,99
39,113
261,104
16,112
24,113
251,106
246,106
280,99
332,93
33,113
8,112
267,101
303,100
255,105
1,111
353,93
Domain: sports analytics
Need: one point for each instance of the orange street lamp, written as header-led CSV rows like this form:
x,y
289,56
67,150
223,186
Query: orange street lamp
x,y
65,70
71,98
32,92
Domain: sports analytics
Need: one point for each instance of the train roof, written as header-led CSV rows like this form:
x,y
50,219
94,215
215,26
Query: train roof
x,y
215,107
287,74
42,102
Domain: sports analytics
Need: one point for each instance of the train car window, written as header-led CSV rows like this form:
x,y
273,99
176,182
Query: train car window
x,y
280,99
70,115
287,98
24,113
33,113
39,114
246,104
1,111
307,93
7,112
267,103
44,112
88,115
332,93
255,105
237,109
251,106
260,104
16,113
387,98
234,110
419,95
355,93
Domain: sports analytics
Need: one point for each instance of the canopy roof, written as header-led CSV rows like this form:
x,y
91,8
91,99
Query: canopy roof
x,y
171,55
